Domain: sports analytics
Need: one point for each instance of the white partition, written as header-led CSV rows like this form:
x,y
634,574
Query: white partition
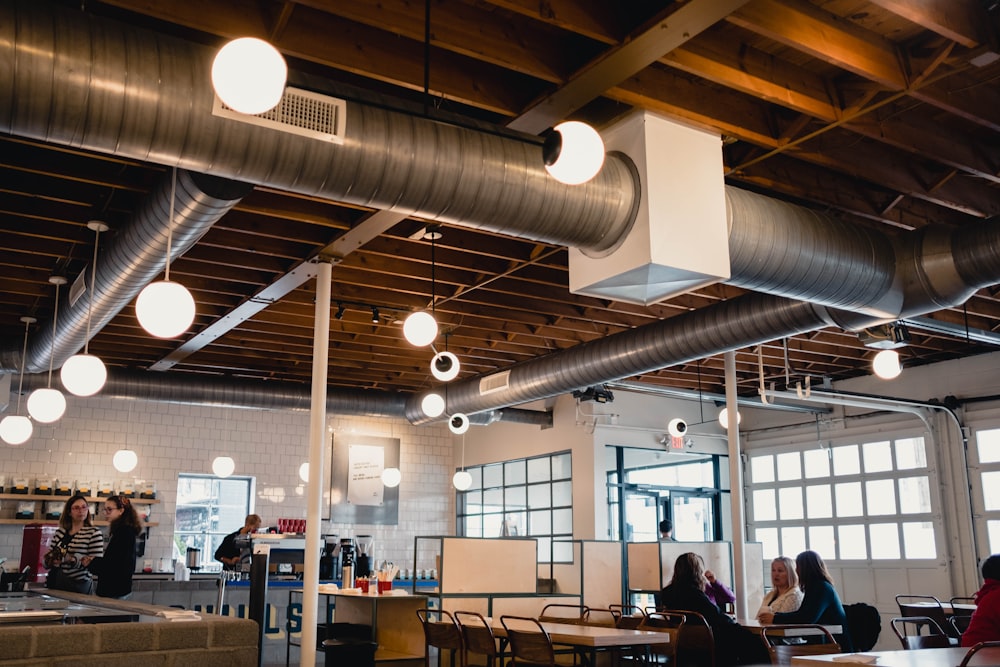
x,y
488,565
602,574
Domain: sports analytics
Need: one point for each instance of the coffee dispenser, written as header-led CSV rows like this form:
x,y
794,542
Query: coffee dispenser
x,y
347,562
328,562
364,547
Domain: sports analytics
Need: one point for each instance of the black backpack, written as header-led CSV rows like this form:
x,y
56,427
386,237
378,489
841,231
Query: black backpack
x,y
864,624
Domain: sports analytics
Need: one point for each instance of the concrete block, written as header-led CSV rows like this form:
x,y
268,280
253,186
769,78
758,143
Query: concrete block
x,y
181,635
76,640
126,637
16,642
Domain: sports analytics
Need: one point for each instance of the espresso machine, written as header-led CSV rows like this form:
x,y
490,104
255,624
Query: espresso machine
x,y
347,562
364,544
328,562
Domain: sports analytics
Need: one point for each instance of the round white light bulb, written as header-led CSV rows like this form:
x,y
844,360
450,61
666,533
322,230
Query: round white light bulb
x,y
249,75
458,423
445,366
15,429
165,309
391,477
223,466
304,472
125,460
83,374
420,328
462,480
580,155
724,418
886,364
46,405
432,405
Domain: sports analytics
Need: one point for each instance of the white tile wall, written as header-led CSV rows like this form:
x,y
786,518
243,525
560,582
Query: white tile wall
x,y
268,445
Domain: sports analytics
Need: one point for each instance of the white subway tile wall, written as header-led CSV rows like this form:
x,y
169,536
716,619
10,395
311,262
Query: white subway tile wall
x,y
269,445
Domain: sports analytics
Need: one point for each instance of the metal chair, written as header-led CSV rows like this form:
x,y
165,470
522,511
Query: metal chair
x,y
669,623
563,613
782,654
695,639
441,631
530,645
604,618
960,623
925,605
935,637
960,605
477,635
967,660
629,615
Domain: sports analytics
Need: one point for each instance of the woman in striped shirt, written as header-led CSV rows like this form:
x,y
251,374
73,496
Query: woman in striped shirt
x,y
82,542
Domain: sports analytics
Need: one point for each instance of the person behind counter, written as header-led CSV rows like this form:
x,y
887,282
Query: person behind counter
x,y
229,553
114,569
75,543
785,593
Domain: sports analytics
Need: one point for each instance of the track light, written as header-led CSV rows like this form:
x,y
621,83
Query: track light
x,y
375,317
340,311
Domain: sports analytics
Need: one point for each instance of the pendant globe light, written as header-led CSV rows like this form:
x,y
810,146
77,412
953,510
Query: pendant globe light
x,y
46,404
421,328
573,152
125,460
462,480
165,308
85,374
15,429
886,364
223,466
249,75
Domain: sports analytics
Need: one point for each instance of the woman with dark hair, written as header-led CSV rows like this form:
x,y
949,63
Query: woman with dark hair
x,y
71,549
734,644
114,569
820,602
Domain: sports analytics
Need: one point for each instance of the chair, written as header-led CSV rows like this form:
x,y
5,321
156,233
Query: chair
x,y
442,632
629,615
529,643
604,618
477,635
935,637
960,623
782,654
967,660
924,605
669,623
960,605
563,613
695,644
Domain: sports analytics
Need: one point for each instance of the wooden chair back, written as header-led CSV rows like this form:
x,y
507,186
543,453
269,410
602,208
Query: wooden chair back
x,y
477,635
528,641
442,632
695,646
670,624
782,654
934,637
968,659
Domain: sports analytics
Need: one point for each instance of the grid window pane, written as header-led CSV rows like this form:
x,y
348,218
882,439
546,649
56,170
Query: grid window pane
x,y
914,495
562,552
846,460
848,496
562,494
762,469
910,454
493,499
477,478
515,497
817,463
492,475
793,539
562,466
474,501
877,455
540,495
789,466
991,490
562,521
821,540
540,522
768,538
474,526
918,540
790,503
884,540
764,508
514,472
881,497
853,542
988,445
993,531
492,525
819,502
538,469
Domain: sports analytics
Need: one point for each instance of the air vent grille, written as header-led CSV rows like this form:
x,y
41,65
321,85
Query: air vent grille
x,y
493,383
299,112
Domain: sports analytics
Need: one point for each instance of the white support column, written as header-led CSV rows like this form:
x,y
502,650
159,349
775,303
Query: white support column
x,y
314,491
736,489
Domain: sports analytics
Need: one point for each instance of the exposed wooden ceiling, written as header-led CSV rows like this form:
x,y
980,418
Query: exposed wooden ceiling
x,y
885,112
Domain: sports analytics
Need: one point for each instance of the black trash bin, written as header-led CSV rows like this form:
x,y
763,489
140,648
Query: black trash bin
x,y
349,645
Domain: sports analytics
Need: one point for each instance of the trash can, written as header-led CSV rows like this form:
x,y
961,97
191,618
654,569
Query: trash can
x,y
349,645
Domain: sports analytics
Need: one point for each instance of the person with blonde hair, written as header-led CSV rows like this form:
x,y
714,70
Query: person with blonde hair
x,y
785,593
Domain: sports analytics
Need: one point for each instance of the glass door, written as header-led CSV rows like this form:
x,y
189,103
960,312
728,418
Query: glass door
x,y
693,515
642,521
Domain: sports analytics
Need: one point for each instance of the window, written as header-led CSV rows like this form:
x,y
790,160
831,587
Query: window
x,y
987,453
525,497
208,509
857,501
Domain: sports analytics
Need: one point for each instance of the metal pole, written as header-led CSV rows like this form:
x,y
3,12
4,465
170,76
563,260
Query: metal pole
x,y
736,489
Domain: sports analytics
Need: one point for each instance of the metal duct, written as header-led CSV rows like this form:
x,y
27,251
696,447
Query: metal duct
x,y
77,80
132,257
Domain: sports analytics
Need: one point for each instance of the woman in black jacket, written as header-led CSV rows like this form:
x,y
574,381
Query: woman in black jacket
x,y
734,644
114,569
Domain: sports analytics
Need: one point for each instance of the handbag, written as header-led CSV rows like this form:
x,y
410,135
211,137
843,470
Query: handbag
x,y
60,581
57,552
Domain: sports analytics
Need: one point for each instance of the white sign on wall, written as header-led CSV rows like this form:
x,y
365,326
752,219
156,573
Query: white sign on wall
x,y
365,464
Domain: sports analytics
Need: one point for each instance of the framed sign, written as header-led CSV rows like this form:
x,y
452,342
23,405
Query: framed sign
x,y
357,494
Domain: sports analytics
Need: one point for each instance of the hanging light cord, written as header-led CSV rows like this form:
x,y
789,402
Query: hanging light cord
x,y
170,222
93,287
55,318
463,452
24,353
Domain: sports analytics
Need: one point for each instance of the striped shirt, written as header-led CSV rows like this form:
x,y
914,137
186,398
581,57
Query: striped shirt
x,y
88,541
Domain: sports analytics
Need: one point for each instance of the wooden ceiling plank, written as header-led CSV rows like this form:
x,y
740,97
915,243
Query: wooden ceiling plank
x,y
963,21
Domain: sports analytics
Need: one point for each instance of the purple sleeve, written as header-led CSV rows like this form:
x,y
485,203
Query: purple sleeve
x,y
720,593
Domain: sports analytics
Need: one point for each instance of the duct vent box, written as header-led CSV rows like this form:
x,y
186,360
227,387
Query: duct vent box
x,y
300,112
495,382
679,240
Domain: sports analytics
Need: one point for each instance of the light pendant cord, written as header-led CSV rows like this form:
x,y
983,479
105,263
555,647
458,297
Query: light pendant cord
x,y
170,222
55,318
24,353
93,286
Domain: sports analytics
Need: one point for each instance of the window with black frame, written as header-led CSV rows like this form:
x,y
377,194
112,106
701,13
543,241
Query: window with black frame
x,y
531,497
209,508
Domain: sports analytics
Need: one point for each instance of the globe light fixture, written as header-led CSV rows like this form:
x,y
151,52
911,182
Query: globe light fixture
x,y
249,75
165,309
304,472
459,423
886,364
15,429
84,374
462,480
223,466
420,328
391,477
445,366
46,404
573,152
125,460
432,405
724,418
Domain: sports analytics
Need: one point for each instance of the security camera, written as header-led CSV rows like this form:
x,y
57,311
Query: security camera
x,y
677,427
458,423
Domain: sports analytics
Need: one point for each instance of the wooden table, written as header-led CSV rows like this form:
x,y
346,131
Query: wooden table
x,y
755,626
925,657
592,638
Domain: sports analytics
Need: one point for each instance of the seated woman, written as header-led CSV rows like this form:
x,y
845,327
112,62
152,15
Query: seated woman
x,y
985,623
785,593
820,604
734,644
